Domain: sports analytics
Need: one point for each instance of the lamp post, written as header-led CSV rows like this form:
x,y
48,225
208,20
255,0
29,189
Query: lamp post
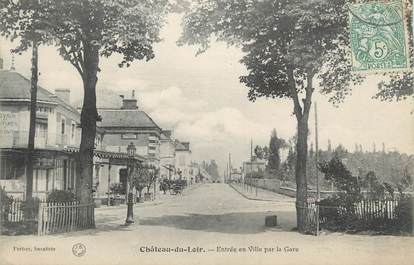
x,y
130,204
180,174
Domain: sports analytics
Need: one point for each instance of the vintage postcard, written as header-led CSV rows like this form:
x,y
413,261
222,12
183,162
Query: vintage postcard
x,y
180,132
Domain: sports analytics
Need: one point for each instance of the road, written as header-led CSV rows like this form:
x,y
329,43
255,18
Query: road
x,y
209,224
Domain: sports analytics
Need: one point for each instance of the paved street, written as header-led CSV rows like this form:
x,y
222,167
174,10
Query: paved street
x,y
216,222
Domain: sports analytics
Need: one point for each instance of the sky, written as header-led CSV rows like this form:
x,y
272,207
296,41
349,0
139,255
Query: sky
x,y
201,99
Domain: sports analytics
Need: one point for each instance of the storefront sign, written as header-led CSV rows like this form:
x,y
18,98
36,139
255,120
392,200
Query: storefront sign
x,y
8,122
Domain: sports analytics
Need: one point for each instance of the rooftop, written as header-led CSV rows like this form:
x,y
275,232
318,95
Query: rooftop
x,y
182,146
132,118
16,87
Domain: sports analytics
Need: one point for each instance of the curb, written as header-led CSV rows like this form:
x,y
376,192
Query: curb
x,y
249,198
257,199
139,205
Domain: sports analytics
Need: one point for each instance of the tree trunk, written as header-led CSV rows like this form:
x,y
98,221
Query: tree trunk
x,y
302,117
300,173
32,125
89,116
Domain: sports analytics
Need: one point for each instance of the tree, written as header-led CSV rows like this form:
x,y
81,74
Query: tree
x,y
287,44
30,35
334,170
139,178
400,85
83,31
275,145
261,152
152,176
211,168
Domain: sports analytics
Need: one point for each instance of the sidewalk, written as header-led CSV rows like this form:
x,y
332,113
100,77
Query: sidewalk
x,y
160,198
261,195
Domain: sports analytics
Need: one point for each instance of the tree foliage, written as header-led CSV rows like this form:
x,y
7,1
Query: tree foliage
x,y
335,171
400,86
212,168
286,45
275,145
144,176
261,152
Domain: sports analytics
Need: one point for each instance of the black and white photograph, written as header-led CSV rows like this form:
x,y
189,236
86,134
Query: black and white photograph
x,y
181,132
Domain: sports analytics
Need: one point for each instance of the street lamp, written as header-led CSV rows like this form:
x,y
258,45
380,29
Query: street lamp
x,y
130,204
180,173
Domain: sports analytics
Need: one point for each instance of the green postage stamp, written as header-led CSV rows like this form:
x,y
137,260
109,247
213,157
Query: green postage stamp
x,y
378,36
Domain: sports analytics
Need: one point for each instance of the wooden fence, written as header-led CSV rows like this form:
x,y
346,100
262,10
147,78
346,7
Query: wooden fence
x,y
13,211
309,212
48,217
65,217
376,209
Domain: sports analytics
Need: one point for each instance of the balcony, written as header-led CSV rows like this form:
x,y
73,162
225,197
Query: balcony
x,y
62,140
20,139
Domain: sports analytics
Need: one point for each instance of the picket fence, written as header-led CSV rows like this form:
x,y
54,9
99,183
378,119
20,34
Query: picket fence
x,y
64,217
367,211
51,217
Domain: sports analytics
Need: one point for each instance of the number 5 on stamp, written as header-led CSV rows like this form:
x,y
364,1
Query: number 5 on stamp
x,y
378,36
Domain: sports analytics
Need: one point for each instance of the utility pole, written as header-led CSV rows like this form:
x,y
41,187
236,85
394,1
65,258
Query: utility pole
x,y
251,163
317,171
32,123
229,166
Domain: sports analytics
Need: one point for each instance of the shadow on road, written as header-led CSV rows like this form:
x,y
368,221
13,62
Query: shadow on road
x,y
230,223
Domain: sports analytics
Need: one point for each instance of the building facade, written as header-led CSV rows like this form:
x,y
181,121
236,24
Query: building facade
x,y
121,127
254,166
183,161
167,155
57,128
57,141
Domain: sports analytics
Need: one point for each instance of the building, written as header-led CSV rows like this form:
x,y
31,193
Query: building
x,y
255,165
57,128
121,127
57,141
183,160
167,155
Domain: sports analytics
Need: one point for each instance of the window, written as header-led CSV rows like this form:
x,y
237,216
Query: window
x,y
181,160
73,130
129,136
63,125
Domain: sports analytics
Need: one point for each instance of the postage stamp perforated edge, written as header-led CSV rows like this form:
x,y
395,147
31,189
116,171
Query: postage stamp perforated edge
x,y
407,11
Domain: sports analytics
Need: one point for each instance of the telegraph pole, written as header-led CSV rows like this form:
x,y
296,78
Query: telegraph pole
x,y
229,166
317,171
251,163
32,123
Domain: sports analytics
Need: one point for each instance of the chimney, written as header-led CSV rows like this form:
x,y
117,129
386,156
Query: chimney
x,y
167,133
63,94
130,103
186,145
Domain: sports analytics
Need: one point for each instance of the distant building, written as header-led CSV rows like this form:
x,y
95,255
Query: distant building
x,y
183,160
167,155
236,175
255,165
123,126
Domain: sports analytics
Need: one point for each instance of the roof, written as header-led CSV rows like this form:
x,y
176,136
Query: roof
x,y
163,137
166,135
14,86
126,118
182,146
